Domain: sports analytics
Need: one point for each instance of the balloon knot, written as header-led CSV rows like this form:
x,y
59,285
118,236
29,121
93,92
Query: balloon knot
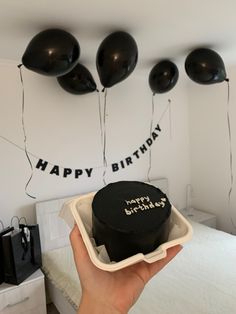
x,y
19,65
97,90
103,89
227,80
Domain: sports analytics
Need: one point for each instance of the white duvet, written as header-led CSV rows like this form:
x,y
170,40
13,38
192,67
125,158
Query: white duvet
x,y
200,280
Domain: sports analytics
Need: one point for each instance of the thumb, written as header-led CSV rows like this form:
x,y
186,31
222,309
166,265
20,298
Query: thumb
x,y
81,256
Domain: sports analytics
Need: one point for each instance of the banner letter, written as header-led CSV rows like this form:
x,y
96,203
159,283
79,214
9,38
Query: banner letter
x,y
42,164
66,172
149,141
154,136
78,172
55,170
128,160
89,171
115,167
143,148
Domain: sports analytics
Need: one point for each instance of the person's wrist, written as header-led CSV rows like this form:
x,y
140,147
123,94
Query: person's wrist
x,y
92,306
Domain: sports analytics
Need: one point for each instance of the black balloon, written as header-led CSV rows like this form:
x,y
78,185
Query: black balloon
x,y
116,58
52,52
205,66
163,77
78,81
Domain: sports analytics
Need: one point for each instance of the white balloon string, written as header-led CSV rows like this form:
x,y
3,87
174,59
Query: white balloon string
x,y
151,126
104,138
230,154
25,138
170,119
150,150
100,118
164,112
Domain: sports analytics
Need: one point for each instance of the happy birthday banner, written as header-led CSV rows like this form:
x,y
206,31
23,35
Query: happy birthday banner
x,y
69,172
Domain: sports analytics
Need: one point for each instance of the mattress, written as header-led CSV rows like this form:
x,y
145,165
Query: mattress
x,y
200,280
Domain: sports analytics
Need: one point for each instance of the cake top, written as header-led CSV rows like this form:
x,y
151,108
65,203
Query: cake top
x,y
131,206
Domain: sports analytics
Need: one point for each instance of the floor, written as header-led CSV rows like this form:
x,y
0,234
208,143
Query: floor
x,y
51,309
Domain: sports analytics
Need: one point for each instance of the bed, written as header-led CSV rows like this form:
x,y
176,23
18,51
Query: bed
x,y
200,280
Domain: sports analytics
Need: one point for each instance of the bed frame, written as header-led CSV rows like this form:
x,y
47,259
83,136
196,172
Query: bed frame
x,y
54,233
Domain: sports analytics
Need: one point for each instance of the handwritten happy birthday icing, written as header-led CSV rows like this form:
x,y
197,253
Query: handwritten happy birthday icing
x,y
143,203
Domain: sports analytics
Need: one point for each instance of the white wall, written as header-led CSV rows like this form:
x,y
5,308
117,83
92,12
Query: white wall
x,y
64,130
210,151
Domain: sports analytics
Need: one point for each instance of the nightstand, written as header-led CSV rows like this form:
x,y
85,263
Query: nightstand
x,y
28,297
200,216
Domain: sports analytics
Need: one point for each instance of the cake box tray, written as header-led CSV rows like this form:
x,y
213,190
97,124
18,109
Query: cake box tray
x,y
79,209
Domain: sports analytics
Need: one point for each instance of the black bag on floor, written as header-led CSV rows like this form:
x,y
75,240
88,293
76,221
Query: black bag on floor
x,y
22,253
2,232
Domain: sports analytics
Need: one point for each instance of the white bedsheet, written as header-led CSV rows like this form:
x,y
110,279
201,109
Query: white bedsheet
x,y
59,268
200,280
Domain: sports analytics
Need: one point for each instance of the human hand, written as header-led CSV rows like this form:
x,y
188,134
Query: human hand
x,y
111,292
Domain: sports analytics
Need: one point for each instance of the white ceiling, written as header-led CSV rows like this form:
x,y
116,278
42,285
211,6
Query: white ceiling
x,y
162,28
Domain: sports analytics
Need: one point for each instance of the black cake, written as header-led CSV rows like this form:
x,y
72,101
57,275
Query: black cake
x,y
130,217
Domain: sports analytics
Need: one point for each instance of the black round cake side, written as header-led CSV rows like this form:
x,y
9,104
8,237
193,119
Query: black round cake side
x,y
123,245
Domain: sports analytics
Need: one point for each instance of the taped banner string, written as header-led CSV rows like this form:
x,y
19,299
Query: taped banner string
x,y
62,167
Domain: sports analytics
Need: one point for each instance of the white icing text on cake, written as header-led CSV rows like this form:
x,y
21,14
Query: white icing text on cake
x,y
141,204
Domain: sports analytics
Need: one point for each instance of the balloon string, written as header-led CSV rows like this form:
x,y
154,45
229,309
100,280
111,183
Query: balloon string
x,y
150,150
164,112
151,126
100,118
104,138
25,138
170,118
230,153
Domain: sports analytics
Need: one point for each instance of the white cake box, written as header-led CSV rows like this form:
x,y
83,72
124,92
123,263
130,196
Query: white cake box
x,y
79,209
